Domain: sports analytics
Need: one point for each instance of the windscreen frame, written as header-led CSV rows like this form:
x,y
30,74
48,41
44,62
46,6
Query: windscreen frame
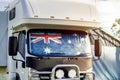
x,y
65,31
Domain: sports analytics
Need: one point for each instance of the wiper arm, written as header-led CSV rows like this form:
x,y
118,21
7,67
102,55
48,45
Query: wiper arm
x,y
57,53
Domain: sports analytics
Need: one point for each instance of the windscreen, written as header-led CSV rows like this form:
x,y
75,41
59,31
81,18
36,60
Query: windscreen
x,y
58,43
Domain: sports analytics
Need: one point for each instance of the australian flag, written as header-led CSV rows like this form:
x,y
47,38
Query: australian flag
x,y
56,43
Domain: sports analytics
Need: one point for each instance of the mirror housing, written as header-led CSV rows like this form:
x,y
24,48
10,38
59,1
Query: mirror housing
x,y
12,46
98,48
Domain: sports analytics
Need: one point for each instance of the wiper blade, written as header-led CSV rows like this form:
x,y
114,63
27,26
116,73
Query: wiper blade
x,y
57,53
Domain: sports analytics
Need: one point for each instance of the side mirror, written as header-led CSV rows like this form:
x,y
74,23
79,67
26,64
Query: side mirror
x,y
98,48
12,46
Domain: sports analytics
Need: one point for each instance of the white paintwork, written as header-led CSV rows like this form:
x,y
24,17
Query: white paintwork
x,y
3,38
54,11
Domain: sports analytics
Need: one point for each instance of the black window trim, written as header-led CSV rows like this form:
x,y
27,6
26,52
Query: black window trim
x,y
12,13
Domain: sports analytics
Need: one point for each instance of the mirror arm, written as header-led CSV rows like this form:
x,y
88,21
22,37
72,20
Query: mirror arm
x,y
23,62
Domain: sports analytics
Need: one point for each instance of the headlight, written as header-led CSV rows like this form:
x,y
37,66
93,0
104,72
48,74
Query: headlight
x,y
60,73
72,73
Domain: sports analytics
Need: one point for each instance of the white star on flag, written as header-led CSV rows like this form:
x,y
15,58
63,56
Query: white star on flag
x,y
69,41
47,50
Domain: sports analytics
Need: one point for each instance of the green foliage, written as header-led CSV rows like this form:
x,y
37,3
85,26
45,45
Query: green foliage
x,y
116,27
118,21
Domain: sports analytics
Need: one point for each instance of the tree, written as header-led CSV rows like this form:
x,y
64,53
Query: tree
x,y
116,27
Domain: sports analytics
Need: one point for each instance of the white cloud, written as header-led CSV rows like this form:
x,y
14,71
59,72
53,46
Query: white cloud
x,y
109,11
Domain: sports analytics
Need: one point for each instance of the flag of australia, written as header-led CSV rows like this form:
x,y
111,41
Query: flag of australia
x,y
56,42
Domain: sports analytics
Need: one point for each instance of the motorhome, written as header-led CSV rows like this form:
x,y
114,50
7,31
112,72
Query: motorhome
x,y
51,40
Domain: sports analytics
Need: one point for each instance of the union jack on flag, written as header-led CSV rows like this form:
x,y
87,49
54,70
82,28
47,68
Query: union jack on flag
x,y
46,37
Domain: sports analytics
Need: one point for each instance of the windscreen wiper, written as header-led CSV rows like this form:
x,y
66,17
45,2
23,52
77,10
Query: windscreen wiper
x,y
57,53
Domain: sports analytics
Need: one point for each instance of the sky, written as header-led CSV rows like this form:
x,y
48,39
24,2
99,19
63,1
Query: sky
x,y
109,10
4,3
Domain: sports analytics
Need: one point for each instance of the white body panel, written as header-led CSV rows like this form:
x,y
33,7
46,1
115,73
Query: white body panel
x,y
3,38
54,11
